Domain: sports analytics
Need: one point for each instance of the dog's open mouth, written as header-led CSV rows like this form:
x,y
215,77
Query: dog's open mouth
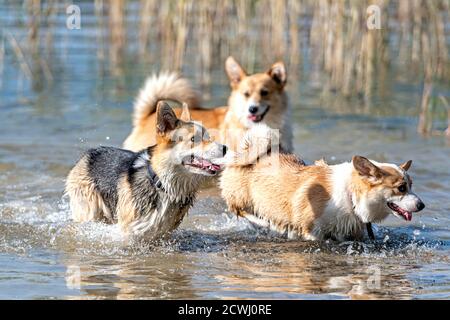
x,y
202,164
400,212
258,117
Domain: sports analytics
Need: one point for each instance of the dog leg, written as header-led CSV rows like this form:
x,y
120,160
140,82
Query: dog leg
x,y
370,231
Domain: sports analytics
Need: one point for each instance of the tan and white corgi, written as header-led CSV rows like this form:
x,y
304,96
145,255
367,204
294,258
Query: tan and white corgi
x,y
319,201
149,192
256,98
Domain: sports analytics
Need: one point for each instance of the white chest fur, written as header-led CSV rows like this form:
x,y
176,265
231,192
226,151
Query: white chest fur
x,y
339,218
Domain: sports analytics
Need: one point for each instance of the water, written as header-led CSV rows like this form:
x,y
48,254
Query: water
x,y
44,255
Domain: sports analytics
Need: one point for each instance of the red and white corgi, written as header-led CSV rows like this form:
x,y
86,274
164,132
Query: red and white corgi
x,y
319,201
256,98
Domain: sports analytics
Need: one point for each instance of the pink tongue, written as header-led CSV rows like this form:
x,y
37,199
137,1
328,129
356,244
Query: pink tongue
x,y
205,163
408,216
253,118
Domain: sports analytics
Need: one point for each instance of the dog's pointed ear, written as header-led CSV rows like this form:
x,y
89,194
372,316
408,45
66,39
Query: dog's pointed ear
x,y
405,166
166,120
278,73
366,168
234,71
185,114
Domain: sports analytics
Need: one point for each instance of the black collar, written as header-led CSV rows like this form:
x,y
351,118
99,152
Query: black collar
x,y
154,179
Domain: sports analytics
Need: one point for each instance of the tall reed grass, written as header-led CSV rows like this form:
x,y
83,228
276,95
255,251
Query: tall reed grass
x,y
328,38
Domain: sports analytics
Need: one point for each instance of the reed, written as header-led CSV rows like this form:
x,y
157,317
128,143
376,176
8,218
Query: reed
x,y
98,11
330,37
445,102
2,59
117,35
425,117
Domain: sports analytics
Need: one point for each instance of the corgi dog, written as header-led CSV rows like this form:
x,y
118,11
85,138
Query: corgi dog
x,y
314,202
149,192
256,98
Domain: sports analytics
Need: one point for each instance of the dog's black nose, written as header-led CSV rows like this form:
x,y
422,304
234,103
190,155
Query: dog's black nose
x,y
253,109
420,206
224,149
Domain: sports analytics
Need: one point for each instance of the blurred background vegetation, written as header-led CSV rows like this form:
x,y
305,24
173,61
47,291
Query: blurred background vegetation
x,y
325,43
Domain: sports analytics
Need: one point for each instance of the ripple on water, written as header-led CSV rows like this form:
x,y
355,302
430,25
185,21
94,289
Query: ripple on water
x,y
215,254
33,221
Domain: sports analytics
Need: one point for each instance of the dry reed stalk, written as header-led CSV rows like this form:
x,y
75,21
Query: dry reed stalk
x,y
34,13
27,71
437,26
277,26
338,46
262,17
351,55
243,15
148,8
370,47
429,67
329,34
447,107
2,58
225,20
294,12
98,11
404,12
162,29
424,125
167,33
50,15
117,35
33,43
182,27
245,22
205,24
417,26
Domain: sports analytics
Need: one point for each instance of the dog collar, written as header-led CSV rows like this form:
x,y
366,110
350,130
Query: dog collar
x,y
154,179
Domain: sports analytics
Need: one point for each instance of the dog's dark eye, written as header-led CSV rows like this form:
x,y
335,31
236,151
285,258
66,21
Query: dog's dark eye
x,y
247,94
264,92
193,139
402,188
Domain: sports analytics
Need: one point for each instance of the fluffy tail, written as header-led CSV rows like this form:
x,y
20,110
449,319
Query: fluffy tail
x,y
257,142
165,86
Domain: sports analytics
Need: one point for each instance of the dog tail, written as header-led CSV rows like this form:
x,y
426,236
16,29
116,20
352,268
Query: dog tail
x,y
257,142
165,86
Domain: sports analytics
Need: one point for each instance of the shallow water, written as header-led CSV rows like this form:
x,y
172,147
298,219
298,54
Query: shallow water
x,y
43,254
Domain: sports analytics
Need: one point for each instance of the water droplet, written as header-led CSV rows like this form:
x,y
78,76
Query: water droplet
x,y
416,232
386,238
107,138
350,250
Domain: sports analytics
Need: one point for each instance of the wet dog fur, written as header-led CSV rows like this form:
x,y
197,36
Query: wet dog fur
x,y
147,192
314,202
256,98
